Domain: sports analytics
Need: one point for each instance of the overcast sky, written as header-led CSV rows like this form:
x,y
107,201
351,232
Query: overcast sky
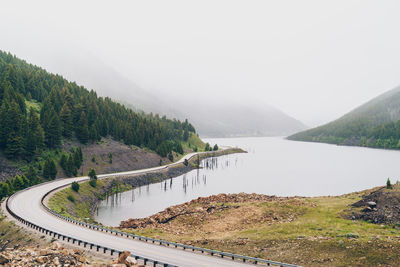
x,y
314,60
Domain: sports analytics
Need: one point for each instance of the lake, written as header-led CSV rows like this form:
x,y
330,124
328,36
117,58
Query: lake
x,y
272,166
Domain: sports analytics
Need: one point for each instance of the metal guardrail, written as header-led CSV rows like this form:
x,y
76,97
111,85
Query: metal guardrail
x,y
164,242
85,244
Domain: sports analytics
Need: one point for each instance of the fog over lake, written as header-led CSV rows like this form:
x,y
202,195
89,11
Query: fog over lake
x,y
272,166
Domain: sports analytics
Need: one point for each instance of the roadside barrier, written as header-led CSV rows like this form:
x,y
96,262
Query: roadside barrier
x,y
163,242
85,244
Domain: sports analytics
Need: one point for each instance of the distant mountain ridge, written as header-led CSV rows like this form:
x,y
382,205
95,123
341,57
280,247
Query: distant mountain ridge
x,y
210,120
240,120
373,124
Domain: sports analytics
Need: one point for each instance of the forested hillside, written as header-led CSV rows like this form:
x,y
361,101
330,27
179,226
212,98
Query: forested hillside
x,y
39,111
374,124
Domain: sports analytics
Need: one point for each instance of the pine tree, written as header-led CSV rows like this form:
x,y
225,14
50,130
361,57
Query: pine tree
x,y
77,159
71,168
185,135
80,154
5,122
15,146
93,134
63,161
49,169
66,120
35,134
15,137
53,130
18,183
4,190
32,175
82,129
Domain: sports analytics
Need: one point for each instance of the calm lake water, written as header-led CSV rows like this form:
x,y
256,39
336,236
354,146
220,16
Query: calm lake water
x,y
272,166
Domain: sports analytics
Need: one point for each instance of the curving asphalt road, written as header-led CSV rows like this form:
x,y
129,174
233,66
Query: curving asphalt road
x,y
27,204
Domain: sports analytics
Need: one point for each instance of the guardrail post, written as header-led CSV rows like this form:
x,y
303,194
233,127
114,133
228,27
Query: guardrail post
x,y
112,252
98,247
104,250
155,263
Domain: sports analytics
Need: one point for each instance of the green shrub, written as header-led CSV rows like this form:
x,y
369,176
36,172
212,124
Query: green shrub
x,y
71,198
207,148
389,184
92,174
75,186
93,182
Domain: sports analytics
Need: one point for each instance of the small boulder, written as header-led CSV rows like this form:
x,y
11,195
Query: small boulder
x,y
42,259
56,246
122,257
56,261
4,259
45,252
130,261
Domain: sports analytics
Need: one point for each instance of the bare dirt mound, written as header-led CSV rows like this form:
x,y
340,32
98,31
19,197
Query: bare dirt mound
x,y
381,207
220,213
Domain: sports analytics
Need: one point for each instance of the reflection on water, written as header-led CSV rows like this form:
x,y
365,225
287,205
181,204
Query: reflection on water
x,y
273,166
161,195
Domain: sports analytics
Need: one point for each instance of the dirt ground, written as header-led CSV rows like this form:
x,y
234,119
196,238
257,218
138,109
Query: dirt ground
x,y
303,231
124,158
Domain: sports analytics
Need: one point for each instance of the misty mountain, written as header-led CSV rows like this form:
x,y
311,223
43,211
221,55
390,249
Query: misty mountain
x,y
210,119
374,124
240,120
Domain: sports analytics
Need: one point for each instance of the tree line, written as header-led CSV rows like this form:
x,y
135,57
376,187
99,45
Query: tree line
x,y
71,111
40,110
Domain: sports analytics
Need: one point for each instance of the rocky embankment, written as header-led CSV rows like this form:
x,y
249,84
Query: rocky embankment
x,y
56,256
381,206
206,208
